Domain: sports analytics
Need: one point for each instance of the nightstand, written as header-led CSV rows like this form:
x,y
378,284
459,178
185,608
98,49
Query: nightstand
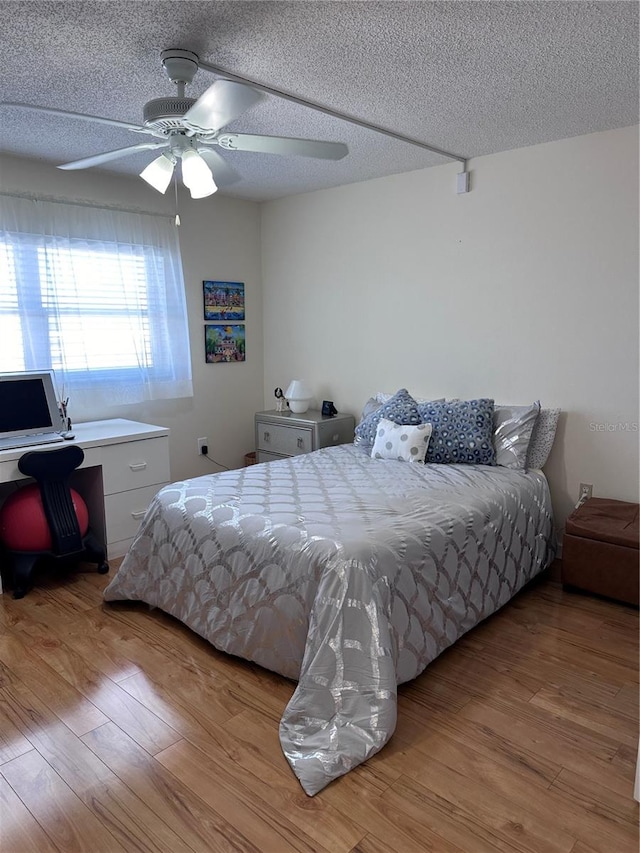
x,y
282,434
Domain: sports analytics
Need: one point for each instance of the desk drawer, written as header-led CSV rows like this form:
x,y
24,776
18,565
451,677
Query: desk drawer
x,y
124,511
135,464
9,469
286,440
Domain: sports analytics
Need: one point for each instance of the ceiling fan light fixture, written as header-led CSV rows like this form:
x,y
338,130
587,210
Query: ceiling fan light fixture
x,y
203,189
158,173
195,171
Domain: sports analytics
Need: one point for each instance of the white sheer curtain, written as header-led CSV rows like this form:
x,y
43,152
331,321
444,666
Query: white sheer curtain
x,y
97,295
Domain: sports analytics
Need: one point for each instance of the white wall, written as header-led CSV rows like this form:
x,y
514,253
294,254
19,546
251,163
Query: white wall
x,y
525,288
220,239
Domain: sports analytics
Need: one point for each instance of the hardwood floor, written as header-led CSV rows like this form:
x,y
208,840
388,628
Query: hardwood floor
x,y
120,730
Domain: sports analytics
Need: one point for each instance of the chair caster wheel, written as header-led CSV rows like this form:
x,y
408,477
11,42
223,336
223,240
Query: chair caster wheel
x,y
103,568
19,593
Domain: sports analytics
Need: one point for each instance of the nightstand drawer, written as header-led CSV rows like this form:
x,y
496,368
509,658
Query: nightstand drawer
x,y
265,456
134,464
286,440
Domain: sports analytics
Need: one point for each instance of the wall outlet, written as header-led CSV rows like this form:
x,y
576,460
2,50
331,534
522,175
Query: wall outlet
x,y
586,491
203,446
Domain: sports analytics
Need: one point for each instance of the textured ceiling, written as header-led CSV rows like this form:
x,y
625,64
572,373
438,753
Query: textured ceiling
x,y
471,78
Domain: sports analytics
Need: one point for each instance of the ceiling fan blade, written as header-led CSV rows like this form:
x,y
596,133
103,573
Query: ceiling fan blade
x,y
283,145
97,159
220,104
223,173
67,114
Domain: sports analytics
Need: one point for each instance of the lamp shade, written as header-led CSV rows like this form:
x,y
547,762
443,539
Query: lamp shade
x,y
203,189
298,396
158,173
195,172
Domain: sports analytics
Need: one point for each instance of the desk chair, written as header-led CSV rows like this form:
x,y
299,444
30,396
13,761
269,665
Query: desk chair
x,y
67,534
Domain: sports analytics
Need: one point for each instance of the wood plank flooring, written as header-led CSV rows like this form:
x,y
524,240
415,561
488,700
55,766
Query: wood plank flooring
x,y
120,730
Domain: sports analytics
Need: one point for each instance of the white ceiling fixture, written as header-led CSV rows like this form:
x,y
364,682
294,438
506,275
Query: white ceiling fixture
x,y
189,129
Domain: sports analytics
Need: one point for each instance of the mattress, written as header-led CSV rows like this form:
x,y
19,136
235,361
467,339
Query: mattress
x,y
345,573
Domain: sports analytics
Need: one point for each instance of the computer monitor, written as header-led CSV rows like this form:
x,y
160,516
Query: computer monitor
x,y
28,404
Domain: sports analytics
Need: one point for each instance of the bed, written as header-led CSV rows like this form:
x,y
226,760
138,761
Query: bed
x,y
346,573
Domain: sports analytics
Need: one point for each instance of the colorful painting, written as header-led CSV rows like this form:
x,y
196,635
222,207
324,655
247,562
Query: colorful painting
x,y
224,343
223,300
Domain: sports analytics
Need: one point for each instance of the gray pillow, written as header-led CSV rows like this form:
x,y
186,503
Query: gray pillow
x,y
372,405
381,397
512,429
542,437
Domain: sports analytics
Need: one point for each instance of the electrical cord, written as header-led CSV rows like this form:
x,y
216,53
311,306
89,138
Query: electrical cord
x,y
211,459
584,497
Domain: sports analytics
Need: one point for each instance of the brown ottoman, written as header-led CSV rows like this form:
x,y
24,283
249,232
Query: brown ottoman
x,y
600,549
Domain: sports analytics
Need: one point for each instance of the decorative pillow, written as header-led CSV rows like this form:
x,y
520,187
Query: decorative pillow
x,y
372,405
542,437
401,409
462,432
512,428
381,398
400,441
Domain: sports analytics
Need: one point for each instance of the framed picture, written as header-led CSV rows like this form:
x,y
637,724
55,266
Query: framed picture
x,y
223,300
223,342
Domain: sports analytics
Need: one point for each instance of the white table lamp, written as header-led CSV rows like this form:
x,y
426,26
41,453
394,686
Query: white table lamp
x,y
298,396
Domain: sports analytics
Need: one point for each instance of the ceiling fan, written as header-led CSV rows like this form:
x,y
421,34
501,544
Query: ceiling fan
x,y
189,129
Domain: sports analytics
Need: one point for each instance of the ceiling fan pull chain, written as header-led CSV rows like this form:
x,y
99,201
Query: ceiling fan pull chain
x,y
175,186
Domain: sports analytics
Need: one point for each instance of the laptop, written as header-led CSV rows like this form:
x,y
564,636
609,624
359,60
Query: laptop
x,y
29,413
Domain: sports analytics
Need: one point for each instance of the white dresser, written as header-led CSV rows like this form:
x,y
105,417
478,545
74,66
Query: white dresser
x,y
125,464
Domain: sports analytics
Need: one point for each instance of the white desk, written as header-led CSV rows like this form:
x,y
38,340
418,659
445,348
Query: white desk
x,y
125,464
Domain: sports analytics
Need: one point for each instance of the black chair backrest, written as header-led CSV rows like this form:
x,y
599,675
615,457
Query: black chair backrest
x,y
52,470
54,464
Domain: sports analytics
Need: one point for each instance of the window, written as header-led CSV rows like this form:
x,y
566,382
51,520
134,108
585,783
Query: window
x,y
97,296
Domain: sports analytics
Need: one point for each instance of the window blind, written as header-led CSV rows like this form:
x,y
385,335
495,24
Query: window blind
x,y
96,295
